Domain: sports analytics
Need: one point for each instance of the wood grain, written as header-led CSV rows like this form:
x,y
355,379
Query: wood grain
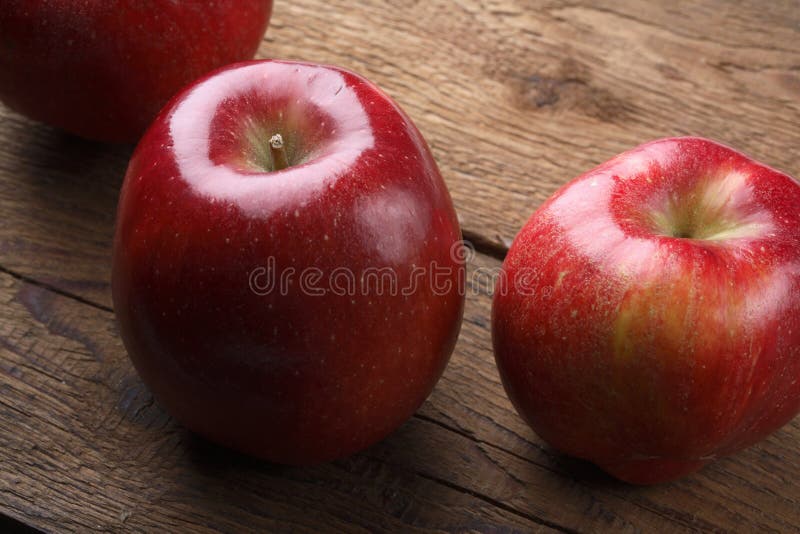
x,y
58,197
78,427
515,98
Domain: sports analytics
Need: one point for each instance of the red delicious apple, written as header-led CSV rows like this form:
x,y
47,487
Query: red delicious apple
x,y
648,318
103,69
256,217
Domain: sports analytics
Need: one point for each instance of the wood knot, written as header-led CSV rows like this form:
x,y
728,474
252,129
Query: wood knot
x,y
569,88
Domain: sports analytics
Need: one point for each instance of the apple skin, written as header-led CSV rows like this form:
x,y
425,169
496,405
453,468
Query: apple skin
x,y
648,319
103,69
287,376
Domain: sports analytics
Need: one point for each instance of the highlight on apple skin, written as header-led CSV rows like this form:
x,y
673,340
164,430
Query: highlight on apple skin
x,y
658,325
103,69
253,178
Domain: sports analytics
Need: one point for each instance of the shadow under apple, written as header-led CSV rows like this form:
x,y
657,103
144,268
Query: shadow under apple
x,y
392,483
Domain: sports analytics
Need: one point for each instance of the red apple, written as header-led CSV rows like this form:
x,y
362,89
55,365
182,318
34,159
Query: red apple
x,y
239,285
648,319
103,69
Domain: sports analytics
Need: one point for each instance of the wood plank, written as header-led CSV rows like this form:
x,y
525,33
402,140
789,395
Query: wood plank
x,y
83,446
58,197
67,385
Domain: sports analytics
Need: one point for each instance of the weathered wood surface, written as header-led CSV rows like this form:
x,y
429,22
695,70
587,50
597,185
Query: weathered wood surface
x,y
515,98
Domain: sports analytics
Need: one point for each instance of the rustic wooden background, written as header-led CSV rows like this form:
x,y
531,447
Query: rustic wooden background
x,y
515,97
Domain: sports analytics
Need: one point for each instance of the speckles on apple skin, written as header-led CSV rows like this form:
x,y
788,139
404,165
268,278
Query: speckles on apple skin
x,y
276,354
653,360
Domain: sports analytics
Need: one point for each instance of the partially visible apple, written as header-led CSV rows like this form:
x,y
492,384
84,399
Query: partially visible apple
x,y
648,319
103,69
257,216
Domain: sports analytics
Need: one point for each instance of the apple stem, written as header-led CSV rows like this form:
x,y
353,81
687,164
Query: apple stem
x,y
278,152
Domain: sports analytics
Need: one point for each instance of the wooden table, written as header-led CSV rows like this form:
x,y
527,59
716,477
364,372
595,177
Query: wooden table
x,y
515,98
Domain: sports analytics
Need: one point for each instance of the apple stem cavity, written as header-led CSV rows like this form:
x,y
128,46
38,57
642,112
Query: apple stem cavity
x,y
278,152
